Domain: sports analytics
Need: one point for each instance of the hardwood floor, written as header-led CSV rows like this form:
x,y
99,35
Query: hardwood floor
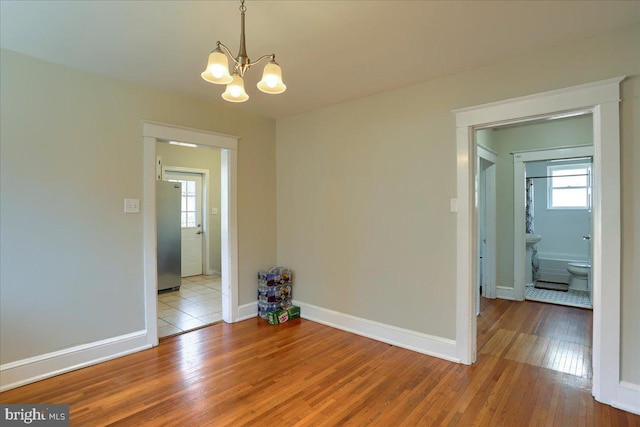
x,y
545,335
532,369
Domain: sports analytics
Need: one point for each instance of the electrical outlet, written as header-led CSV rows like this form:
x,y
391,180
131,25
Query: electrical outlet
x,y
131,205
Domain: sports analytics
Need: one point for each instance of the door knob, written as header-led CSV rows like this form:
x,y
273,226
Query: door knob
x,y
586,237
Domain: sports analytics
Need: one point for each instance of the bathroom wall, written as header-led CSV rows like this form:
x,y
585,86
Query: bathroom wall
x,y
561,229
484,139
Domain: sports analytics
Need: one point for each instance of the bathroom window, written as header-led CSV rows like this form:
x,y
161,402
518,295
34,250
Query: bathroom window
x,y
569,186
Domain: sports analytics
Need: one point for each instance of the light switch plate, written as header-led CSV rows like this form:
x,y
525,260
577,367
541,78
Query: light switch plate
x,y
131,205
214,211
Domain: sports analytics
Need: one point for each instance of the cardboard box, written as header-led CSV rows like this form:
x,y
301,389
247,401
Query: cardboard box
x,y
284,315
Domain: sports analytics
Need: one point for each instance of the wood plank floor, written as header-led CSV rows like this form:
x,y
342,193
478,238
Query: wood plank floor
x,y
532,369
545,335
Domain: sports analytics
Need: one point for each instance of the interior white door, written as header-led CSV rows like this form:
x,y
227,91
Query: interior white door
x,y
191,220
486,164
482,238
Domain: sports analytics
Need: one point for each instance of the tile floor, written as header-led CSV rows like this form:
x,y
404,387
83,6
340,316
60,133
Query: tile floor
x,y
197,303
570,298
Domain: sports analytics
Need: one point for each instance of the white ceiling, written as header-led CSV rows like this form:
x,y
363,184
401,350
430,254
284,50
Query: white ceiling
x,y
330,51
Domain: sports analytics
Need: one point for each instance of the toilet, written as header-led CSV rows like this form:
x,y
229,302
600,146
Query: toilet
x,y
578,272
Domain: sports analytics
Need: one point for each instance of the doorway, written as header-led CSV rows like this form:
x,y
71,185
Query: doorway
x,y
198,300
192,220
602,100
558,214
228,145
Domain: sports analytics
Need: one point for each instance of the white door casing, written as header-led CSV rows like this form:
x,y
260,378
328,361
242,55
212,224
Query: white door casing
x,y
602,100
228,145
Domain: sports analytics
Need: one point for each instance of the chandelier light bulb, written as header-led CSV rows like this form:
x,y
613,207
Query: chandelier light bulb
x,y
271,80
217,70
235,90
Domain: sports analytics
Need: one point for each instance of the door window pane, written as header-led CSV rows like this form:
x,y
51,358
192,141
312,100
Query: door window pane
x,y
191,204
191,219
188,205
191,188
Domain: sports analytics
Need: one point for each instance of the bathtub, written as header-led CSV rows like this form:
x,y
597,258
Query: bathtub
x,y
553,268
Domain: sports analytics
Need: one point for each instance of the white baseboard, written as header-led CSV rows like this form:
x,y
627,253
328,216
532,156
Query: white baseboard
x,y
504,292
25,371
628,397
247,311
416,341
211,272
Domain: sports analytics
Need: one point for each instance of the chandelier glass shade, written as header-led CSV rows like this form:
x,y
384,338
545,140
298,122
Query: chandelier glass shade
x,y
217,70
272,79
235,90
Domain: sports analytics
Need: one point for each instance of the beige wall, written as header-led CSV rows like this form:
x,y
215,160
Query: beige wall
x,y
71,145
547,134
364,189
200,158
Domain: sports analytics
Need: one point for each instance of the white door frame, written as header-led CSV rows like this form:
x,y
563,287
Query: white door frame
x,y
519,195
206,254
153,132
602,100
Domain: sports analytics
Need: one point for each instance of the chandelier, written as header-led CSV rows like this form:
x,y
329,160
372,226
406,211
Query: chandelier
x,y
217,70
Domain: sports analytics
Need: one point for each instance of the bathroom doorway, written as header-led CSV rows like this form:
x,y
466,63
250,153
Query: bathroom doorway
x,y
547,139
558,202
